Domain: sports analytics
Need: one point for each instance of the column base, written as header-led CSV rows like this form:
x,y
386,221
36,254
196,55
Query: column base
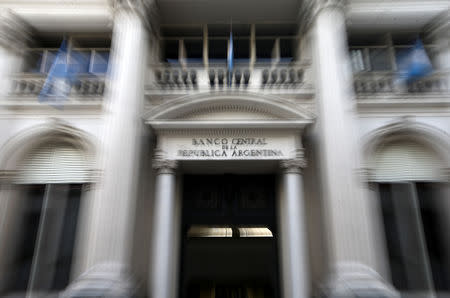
x,y
354,280
101,281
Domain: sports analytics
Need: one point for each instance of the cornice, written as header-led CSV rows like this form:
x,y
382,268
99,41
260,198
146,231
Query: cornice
x,y
15,33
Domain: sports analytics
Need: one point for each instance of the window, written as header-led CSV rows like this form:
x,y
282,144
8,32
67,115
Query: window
x,y
46,237
415,211
83,56
41,247
415,224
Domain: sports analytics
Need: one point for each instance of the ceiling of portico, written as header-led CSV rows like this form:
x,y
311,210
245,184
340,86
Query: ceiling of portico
x,y
96,15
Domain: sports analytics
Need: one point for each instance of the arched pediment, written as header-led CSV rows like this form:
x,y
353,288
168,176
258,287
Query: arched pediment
x,y
19,146
226,109
406,129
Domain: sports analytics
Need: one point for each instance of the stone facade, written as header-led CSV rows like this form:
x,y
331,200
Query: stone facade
x,y
312,123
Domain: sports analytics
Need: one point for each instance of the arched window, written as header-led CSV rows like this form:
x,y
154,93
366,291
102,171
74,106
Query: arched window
x,y
415,211
50,178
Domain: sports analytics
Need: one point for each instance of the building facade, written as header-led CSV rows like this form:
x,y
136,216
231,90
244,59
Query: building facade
x,y
307,168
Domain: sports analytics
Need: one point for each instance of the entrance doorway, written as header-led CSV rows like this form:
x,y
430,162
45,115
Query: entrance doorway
x,y
229,240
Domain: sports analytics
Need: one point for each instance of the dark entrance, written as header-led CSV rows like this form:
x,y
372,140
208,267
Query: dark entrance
x,y
229,241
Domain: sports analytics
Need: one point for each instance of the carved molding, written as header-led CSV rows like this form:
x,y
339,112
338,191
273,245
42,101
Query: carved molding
x,y
310,8
147,10
294,165
162,165
15,33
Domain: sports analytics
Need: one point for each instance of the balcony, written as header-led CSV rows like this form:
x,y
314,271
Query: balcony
x,y
384,83
280,78
87,90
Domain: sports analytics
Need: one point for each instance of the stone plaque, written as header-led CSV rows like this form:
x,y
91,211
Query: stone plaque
x,y
229,147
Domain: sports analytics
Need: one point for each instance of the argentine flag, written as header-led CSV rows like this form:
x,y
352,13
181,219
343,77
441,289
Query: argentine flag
x,y
60,78
415,64
230,59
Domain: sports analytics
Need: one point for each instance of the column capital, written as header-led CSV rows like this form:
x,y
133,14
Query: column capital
x,y
15,33
440,26
294,165
162,165
147,10
310,8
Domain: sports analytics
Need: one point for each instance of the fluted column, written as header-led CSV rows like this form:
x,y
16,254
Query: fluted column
x,y
163,260
294,265
15,34
353,261
109,245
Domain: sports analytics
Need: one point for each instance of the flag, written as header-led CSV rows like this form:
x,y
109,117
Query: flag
x,y
59,80
230,59
414,64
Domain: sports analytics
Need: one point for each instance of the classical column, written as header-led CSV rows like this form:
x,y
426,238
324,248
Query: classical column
x,y
164,255
15,34
109,245
294,264
349,230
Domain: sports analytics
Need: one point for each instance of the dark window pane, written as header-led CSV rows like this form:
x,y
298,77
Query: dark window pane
x,y
51,56
264,48
67,241
26,238
433,207
241,48
357,60
170,50
100,63
400,55
194,50
402,229
79,61
287,47
379,59
34,61
218,48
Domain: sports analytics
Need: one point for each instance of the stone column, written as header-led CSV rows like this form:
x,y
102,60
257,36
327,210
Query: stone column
x,y
15,34
163,259
108,250
349,230
293,246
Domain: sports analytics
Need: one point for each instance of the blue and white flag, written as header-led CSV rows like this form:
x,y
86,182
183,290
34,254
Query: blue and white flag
x,y
230,59
414,64
59,80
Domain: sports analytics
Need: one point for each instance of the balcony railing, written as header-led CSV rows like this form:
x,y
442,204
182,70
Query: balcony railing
x,y
378,83
86,87
192,77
